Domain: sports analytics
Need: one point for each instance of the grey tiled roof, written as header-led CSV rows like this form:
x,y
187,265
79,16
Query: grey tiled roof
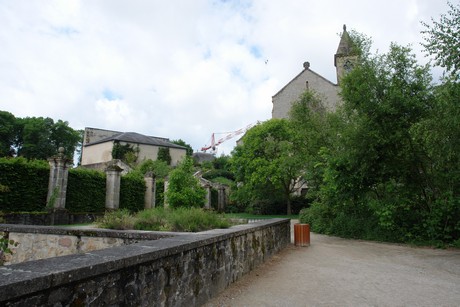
x,y
137,138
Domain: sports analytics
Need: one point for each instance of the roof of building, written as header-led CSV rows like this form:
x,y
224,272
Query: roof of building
x,y
306,68
137,138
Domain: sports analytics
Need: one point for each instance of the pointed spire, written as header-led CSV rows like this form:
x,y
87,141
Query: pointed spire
x,y
345,45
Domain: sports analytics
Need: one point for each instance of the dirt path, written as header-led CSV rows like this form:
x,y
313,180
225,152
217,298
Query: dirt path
x,y
339,272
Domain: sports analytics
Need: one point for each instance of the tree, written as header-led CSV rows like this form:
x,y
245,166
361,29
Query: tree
x,y
7,134
184,190
442,40
267,161
127,152
164,155
315,130
34,140
182,143
159,168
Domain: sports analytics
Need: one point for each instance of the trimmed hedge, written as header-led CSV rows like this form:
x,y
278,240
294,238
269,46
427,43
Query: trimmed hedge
x,y
85,191
132,191
24,185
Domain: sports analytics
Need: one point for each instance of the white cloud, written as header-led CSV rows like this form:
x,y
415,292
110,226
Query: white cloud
x,y
178,69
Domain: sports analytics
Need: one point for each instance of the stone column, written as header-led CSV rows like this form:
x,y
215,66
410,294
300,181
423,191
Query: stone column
x,y
166,185
207,205
150,190
221,199
112,191
57,186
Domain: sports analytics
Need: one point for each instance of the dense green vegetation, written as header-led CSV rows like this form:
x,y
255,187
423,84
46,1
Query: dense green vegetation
x,y
36,137
161,219
386,164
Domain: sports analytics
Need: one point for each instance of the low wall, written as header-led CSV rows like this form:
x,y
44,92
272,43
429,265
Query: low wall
x,y
38,242
183,270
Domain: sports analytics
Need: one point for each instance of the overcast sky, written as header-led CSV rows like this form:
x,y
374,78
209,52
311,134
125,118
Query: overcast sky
x,y
180,68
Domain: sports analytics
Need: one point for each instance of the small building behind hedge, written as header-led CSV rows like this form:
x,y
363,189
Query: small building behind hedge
x,y
98,146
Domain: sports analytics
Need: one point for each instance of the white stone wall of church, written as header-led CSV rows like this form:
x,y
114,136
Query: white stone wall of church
x,y
283,100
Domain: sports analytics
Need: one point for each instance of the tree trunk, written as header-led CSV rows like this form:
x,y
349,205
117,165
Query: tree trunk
x,y
289,206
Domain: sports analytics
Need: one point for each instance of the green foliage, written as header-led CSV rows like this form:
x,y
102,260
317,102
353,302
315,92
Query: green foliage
x,y
195,219
180,142
40,138
7,134
25,184
266,162
184,189
160,219
442,40
388,166
215,173
132,190
158,168
5,244
119,219
85,190
127,153
164,155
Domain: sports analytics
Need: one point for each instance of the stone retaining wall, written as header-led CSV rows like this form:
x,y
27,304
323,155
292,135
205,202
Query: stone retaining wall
x,y
38,242
182,270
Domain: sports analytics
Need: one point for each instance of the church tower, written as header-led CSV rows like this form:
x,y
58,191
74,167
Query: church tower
x,y
345,57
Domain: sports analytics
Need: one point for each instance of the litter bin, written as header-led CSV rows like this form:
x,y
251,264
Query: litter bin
x,y
302,234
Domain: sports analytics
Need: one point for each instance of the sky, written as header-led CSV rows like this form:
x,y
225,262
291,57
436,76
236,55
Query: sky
x,y
181,69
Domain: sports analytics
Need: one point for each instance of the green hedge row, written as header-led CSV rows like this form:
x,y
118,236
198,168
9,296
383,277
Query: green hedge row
x,y
85,191
23,185
132,191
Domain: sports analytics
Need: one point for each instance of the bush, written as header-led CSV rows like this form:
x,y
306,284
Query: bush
x,y
154,219
195,219
119,219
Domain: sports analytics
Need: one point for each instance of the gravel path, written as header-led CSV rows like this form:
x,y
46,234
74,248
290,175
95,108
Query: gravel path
x,y
340,272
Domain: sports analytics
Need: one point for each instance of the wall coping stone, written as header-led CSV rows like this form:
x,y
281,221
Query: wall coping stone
x,y
25,278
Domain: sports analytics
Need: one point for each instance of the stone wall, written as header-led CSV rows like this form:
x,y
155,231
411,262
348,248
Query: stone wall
x,y
46,242
183,270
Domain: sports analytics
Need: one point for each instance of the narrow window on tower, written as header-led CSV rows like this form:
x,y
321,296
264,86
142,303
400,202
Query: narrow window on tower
x,y
306,85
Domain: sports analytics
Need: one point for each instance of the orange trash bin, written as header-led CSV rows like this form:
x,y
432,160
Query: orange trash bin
x,y
302,234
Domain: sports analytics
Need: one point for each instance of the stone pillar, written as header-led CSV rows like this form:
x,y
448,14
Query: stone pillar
x,y
207,205
57,186
221,199
166,185
150,190
112,187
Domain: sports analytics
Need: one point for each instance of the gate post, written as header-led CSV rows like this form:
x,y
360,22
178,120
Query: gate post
x,y
57,186
112,192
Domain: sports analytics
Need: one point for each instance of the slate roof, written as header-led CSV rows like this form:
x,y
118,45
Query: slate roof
x,y
137,138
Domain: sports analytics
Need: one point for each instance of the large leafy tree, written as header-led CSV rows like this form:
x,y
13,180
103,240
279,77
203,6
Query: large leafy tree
x,y
36,137
442,40
7,133
267,161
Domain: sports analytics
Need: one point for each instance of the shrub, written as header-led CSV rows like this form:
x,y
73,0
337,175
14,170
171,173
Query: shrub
x,y
119,219
154,219
132,190
184,189
195,219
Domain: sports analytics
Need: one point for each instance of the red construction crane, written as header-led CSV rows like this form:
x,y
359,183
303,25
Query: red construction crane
x,y
229,136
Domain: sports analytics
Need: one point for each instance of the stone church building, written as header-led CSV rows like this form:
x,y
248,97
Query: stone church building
x,y
307,79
